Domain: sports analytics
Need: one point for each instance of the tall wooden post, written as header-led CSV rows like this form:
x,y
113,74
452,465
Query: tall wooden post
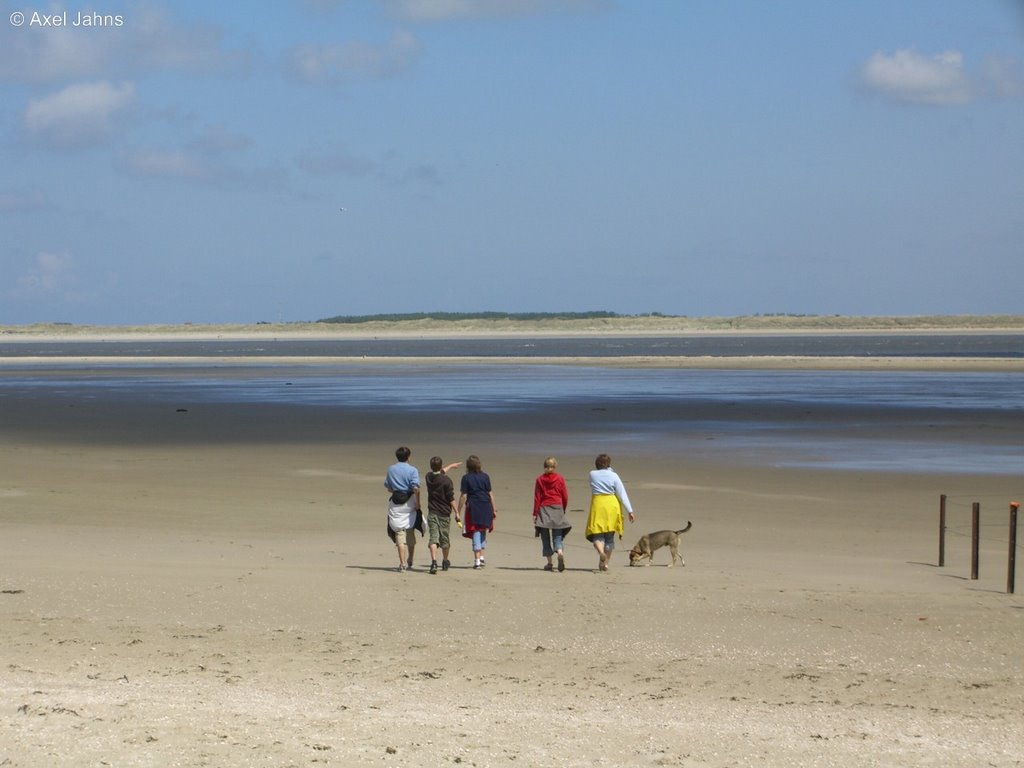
x,y
942,530
975,538
1011,564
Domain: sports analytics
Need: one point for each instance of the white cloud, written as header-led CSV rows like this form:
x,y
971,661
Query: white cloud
x,y
197,165
337,160
334,160
50,273
159,43
443,10
912,77
217,139
79,115
23,201
148,41
60,53
159,162
353,60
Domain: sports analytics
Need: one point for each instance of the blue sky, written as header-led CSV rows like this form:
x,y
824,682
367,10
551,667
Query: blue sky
x,y
188,161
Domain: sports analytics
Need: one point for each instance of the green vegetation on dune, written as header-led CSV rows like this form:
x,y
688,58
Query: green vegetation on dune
x,y
654,321
457,316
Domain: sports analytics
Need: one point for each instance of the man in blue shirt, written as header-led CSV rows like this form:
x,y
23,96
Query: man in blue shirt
x,y
403,483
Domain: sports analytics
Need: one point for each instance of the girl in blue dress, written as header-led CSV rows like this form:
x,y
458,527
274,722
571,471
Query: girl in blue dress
x,y
477,499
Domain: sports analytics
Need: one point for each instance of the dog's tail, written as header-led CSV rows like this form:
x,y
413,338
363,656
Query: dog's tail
x,y
689,525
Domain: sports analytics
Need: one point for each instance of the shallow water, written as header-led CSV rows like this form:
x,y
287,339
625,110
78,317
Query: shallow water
x,y
932,422
972,345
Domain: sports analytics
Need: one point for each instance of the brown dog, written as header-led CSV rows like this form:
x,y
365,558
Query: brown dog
x,y
644,549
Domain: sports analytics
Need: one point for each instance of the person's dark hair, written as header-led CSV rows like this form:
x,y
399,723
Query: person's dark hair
x,y
603,461
436,464
473,464
402,453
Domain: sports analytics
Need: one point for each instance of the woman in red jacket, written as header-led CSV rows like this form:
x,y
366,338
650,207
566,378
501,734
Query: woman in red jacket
x,y
550,502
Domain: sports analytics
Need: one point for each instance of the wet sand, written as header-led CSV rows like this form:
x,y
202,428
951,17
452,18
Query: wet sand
x,y
215,588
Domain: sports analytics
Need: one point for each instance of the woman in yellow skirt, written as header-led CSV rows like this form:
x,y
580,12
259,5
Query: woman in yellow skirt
x,y
608,500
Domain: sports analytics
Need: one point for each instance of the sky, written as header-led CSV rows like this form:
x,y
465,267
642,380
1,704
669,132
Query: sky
x,y
296,160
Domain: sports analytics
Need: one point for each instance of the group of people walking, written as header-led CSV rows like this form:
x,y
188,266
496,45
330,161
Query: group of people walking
x,y
476,510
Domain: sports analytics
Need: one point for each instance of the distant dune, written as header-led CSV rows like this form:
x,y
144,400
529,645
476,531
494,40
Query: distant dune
x,y
625,325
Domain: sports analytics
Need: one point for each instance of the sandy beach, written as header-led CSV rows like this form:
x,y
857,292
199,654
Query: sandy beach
x,y
214,588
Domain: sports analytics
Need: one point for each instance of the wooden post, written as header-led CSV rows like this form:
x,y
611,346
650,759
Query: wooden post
x,y
1011,564
942,530
975,538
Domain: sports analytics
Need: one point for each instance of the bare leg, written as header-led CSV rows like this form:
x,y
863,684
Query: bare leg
x,y
400,546
410,543
602,557
478,548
